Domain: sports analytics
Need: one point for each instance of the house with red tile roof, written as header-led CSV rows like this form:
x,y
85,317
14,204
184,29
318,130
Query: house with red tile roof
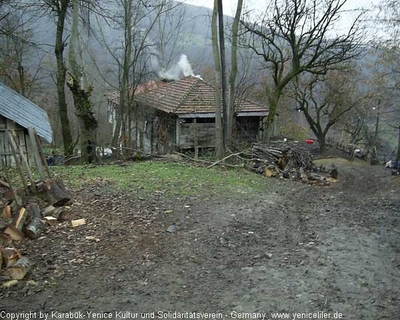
x,y
180,114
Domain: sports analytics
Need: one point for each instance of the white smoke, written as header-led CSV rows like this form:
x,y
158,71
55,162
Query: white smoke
x,y
182,68
185,66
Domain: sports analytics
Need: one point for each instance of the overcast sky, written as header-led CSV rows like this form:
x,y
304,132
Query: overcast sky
x,y
229,5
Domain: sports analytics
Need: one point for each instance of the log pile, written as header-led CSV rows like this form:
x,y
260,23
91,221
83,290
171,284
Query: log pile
x,y
26,212
286,160
27,216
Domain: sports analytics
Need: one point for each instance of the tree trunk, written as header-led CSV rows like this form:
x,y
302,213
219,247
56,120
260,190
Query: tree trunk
x,y
87,121
234,69
60,79
322,143
273,99
83,106
219,138
121,126
225,120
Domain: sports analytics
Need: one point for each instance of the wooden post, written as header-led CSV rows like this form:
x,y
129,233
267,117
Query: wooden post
x,y
25,161
11,142
196,139
41,153
35,153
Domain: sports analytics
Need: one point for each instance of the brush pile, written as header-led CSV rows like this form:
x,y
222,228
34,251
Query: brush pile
x,y
285,159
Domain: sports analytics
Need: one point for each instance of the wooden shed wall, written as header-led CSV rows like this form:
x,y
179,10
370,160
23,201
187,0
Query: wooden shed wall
x,y
203,132
22,140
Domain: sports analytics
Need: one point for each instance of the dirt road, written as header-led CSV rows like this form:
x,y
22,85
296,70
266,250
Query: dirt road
x,y
323,251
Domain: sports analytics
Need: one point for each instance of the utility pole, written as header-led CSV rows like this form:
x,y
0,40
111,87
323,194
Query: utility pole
x,y
374,156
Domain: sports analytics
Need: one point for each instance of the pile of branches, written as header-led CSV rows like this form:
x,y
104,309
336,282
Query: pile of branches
x,y
287,156
281,159
288,160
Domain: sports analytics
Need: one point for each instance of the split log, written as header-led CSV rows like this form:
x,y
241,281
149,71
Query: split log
x,y
10,256
48,211
77,223
19,218
50,220
12,233
62,214
34,228
7,212
57,194
5,240
18,270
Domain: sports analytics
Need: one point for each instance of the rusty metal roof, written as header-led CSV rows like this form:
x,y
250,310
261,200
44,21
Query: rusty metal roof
x,y
24,112
190,95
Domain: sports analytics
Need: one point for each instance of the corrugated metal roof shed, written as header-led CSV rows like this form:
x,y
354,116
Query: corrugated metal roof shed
x,y
24,112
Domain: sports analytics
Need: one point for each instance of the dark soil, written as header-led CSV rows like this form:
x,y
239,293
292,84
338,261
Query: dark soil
x,y
296,248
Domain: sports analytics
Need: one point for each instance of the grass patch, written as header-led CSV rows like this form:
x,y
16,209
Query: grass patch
x,y
172,179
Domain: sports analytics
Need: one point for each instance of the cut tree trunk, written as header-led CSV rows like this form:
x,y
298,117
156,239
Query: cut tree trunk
x,y
35,228
34,211
57,194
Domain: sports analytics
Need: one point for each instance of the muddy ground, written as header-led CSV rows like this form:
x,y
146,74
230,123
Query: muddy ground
x,y
296,248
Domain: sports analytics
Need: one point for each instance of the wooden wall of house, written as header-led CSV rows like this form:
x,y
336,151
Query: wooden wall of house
x,y
154,131
22,139
158,132
198,133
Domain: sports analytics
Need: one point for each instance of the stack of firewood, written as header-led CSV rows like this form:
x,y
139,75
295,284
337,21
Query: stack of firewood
x,y
27,216
285,159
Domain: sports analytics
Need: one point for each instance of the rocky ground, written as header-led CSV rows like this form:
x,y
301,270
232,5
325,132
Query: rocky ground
x,y
296,248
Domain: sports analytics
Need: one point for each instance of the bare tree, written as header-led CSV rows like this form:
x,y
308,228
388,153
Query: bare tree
x,y
17,52
81,92
60,10
297,36
325,99
133,55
